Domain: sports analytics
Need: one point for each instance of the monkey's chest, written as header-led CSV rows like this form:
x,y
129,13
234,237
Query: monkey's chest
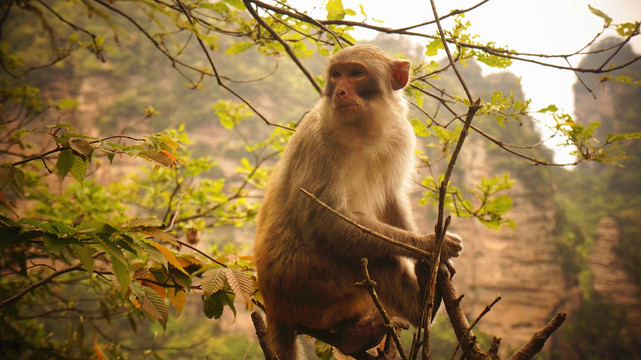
x,y
366,190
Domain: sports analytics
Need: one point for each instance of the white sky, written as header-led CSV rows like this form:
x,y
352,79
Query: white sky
x,y
535,26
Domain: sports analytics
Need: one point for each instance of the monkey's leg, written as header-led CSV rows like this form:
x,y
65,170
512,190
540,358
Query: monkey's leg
x,y
397,288
283,340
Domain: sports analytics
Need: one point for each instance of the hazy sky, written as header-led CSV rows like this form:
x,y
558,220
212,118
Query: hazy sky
x,y
535,26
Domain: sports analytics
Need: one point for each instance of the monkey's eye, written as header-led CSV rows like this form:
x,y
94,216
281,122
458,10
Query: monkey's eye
x,y
335,74
356,72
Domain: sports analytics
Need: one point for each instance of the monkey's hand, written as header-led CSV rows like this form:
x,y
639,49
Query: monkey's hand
x,y
452,245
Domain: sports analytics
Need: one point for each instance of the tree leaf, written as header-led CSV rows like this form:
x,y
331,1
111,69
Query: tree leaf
x,y
159,234
238,4
335,10
65,162
7,173
601,14
82,147
241,283
158,157
122,273
212,281
433,47
79,169
85,257
171,258
238,47
178,300
151,302
215,304
142,222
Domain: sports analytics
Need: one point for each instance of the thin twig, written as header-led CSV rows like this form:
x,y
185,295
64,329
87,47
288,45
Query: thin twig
x,y
476,321
367,230
37,284
370,286
288,49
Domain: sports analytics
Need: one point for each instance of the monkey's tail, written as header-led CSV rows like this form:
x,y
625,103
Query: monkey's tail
x,y
283,339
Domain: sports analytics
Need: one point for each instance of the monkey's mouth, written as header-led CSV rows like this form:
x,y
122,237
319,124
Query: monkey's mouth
x,y
344,106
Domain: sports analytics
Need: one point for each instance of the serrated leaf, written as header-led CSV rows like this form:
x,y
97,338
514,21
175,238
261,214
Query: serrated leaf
x,y
7,173
151,302
240,283
122,273
65,162
158,157
212,281
79,168
171,258
85,257
17,184
81,147
142,222
159,234
111,249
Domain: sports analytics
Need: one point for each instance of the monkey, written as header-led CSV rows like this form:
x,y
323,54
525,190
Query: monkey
x,y
354,151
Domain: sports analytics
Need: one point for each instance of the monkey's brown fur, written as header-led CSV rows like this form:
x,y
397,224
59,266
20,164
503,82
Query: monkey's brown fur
x,y
355,152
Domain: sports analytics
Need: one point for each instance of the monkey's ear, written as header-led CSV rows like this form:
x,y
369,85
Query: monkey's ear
x,y
400,74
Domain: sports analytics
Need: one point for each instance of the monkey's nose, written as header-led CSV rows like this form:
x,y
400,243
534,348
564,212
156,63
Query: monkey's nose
x,y
341,92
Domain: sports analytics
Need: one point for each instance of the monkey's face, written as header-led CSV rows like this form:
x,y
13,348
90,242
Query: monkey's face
x,y
351,87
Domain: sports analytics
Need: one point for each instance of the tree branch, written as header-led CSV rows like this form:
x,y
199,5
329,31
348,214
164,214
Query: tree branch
x,y
44,281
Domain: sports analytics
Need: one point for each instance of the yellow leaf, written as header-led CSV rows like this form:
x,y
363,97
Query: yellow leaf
x,y
178,300
171,258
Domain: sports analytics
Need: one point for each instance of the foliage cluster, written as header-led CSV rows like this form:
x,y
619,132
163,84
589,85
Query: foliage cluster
x,y
90,237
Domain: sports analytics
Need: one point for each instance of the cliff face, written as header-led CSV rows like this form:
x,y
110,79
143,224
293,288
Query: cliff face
x,y
521,264
609,276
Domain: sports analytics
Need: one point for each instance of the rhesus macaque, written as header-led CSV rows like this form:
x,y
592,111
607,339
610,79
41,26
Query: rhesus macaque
x,y
355,152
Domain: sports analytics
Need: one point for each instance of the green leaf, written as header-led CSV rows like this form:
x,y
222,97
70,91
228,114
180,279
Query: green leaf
x,y
238,4
7,173
142,222
212,281
551,108
82,147
420,128
82,251
238,47
601,14
65,162
159,234
79,168
433,47
241,283
67,103
215,304
335,10
122,273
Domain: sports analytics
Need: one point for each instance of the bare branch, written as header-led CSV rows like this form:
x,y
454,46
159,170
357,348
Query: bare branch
x,y
535,344
366,230
263,339
44,281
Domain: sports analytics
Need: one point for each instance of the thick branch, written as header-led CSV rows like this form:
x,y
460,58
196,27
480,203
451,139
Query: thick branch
x,y
535,344
457,318
263,339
